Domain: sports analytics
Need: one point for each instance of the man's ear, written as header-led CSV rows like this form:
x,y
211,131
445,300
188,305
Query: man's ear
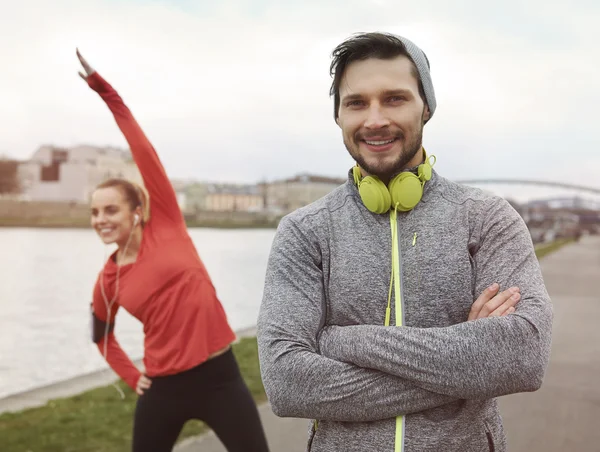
x,y
426,114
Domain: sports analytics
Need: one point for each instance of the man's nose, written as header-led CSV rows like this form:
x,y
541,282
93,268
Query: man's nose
x,y
376,118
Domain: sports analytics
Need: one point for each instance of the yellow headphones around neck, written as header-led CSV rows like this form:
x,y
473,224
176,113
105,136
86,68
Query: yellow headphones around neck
x,y
403,192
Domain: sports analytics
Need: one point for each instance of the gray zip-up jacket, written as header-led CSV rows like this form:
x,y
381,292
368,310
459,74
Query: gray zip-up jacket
x,y
326,355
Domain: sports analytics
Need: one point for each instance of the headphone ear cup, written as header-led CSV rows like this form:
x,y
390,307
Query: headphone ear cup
x,y
425,171
375,195
406,191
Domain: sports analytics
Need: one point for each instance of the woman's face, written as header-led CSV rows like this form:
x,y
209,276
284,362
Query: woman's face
x,y
111,215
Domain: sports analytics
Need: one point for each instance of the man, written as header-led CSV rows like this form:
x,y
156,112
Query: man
x,y
398,307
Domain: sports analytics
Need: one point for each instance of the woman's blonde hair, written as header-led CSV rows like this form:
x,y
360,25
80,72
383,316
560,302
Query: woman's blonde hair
x,y
135,194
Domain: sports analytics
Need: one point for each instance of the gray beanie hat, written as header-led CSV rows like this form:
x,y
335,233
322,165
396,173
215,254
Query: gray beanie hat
x,y
422,64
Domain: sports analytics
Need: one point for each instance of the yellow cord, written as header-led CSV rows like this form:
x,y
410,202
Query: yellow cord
x,y
394,226
396,283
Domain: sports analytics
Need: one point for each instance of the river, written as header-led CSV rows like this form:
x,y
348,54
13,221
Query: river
x,y
46,283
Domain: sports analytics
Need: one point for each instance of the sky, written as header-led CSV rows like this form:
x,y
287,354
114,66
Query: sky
x,y
238,90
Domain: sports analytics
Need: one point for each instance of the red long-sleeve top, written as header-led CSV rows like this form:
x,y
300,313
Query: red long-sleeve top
x,y
168,288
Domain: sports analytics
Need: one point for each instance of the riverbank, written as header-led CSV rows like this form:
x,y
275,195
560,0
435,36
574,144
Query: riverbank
x,y
84,223
32,214
98,419
39,396
58,417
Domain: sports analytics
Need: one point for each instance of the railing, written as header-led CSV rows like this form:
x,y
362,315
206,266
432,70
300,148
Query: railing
x,y
596,191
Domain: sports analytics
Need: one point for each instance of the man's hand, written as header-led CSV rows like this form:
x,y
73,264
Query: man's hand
x,y
492,304
88,69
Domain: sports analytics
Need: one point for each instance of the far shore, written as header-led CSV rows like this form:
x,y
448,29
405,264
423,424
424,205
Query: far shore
x,y
80,223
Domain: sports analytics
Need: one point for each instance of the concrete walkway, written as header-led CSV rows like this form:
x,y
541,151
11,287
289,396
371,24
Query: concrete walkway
x,y
565,413
283,434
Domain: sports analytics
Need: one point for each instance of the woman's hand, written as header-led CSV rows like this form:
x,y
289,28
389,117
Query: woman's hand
x,y
142,384
88,69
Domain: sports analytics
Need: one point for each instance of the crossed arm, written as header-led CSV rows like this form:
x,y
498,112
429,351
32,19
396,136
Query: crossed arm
x,y
366,373
299,381
485,358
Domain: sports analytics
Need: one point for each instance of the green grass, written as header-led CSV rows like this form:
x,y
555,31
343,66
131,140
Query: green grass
x,y
99,420
546,248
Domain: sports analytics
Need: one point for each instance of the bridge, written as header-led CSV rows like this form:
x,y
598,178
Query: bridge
x,y
587,210
582,188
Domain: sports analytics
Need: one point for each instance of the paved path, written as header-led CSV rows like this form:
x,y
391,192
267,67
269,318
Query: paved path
x,y
283,434
562,416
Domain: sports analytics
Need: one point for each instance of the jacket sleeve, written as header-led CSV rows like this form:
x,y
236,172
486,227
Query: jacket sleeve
x,y
299,382
164,207
477,359
108,345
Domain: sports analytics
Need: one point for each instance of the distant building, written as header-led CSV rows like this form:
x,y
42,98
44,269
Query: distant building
x,y
180,188
290,194
10,184
232,198
194,196
71,174
549,220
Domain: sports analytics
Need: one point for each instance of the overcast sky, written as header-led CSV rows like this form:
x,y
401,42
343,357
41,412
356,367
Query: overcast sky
x,y
237,90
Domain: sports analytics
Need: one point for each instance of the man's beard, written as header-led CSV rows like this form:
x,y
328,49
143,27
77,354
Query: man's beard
x,y
387,170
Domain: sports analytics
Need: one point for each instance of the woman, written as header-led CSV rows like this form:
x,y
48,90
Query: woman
x,y
157,276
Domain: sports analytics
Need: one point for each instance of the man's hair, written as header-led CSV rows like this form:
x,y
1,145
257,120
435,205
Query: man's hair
x,y
363,46
135,195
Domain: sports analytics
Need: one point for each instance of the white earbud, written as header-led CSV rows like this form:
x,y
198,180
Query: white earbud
x,y
136,219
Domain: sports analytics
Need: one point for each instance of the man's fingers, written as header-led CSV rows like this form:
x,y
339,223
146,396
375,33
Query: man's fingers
x,y
498,301
506,306
485,296
509,311
501,302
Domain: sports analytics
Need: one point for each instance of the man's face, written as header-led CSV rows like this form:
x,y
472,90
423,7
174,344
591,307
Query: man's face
x,y
382,115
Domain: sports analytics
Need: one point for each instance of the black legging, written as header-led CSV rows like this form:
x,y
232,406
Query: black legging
x,y
213,392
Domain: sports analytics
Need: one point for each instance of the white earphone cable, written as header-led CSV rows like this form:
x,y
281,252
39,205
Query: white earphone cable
x,y
108,304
